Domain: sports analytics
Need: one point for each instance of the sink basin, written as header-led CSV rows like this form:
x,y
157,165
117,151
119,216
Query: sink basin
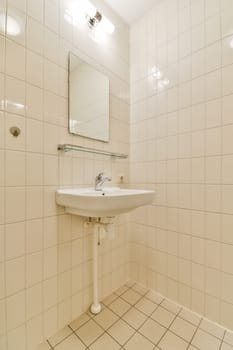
x,y
109,202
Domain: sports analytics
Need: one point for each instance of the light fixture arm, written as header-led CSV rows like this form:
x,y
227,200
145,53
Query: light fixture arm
x,y
92,22
84,11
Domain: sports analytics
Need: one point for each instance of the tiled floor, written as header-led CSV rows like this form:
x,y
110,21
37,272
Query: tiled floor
x,y
134,318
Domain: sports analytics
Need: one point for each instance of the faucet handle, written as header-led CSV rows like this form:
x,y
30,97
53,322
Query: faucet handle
x,y
100,175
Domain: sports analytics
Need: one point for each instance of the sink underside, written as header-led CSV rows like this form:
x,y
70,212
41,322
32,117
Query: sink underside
x,y
106,203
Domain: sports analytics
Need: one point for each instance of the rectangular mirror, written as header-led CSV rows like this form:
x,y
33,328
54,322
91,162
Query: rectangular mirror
x,y
88,100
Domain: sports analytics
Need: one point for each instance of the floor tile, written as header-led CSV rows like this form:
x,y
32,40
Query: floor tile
x,y
190,317
70,343
163,316
212,328
120,307
226,346
155,297
59,336
138,342
121,332
152,330
130,283
105,342
140,289
121,290
143,326
170,306
43,346
89,332
146,306
204,341
183,329
106,318
135,318
171,342
228,338
110,299
131,296
79,321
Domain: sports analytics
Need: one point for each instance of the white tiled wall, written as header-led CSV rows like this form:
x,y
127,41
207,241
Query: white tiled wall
x,y
182,146
45,255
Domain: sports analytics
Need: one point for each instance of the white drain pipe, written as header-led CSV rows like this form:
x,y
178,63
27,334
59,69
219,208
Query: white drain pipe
x,y
95,307
101,227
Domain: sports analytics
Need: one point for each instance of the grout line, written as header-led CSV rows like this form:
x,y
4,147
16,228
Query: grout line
x,y
47,341
25,176
168,328
221,176
137,330
119,318
197,327
73,332
148,317
4,176
222,340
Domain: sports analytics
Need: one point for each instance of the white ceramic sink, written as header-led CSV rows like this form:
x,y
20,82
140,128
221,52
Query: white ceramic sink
x,y
111,201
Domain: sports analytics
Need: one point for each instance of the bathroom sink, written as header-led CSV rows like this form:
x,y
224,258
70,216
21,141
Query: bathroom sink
x,y
109,202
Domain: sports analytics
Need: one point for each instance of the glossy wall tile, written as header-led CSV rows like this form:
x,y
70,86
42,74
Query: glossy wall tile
x,y
45,255
181,146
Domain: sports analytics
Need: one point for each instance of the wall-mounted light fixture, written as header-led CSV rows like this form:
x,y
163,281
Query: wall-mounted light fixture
x,y
102,22
83,11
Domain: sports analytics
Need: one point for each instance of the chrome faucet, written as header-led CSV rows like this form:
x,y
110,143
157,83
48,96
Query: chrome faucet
x,y
100,180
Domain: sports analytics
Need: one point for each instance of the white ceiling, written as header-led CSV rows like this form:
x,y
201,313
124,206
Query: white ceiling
x,y
130,10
